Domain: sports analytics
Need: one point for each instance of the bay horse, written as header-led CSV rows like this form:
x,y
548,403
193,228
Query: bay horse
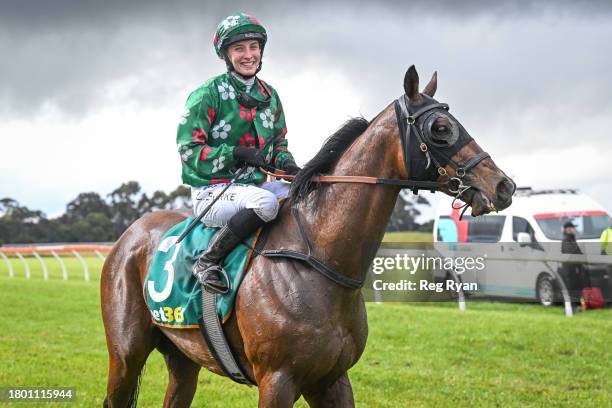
x,y
294,331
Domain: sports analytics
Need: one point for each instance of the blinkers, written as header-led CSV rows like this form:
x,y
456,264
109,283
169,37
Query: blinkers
x,y
423,143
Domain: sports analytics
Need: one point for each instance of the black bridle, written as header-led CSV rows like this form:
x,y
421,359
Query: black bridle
x,y
415,136
420,148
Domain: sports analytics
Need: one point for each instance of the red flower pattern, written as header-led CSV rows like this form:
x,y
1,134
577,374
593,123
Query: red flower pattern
x,y
262,90
246,114
211,115
247,140
199,136
205,151
281,134
252,19
215,40
219,180
277,114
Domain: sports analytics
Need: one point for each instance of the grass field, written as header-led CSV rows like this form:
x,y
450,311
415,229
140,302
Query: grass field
x,y
423,355
408,237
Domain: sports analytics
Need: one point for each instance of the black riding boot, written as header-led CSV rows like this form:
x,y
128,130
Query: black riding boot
x,y
207,269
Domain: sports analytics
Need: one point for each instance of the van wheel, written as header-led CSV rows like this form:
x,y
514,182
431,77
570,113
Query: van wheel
x,y
545,290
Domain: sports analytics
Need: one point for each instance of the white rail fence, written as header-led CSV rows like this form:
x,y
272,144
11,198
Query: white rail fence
x,y
59,253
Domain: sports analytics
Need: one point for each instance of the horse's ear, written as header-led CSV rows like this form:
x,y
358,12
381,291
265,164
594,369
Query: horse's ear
x,y
411,83
430,89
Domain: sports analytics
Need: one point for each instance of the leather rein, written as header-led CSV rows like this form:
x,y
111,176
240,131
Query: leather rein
x,y
453,184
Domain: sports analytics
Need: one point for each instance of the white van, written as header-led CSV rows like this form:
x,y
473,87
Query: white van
x,y
528,229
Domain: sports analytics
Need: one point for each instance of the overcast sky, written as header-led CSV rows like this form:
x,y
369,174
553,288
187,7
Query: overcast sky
x,y
91,92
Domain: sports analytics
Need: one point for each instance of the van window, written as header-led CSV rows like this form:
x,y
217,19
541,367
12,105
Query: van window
x,y
447,230
519,224
486,228
589,224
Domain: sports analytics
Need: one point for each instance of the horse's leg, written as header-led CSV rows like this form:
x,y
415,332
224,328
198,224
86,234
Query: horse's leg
x,y
130,335
338,395
277,390
125,366
183,376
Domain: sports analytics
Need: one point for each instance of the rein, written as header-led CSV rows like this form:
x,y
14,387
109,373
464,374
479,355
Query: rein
x,y
412,184
408,125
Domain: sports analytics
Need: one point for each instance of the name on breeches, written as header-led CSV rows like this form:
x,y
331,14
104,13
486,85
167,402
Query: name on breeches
x,y
208,196
425,285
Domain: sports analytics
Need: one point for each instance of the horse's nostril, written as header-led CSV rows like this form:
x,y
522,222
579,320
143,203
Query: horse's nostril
x,y
505,189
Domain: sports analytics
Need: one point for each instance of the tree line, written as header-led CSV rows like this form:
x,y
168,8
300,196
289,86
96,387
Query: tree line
x,y
405,213
93,218
88,218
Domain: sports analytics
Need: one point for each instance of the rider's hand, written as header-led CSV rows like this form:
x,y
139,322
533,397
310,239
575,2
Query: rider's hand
x,y
250,155
291,168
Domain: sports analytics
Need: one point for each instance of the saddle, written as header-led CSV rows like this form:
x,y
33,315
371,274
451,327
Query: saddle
x,y
173,295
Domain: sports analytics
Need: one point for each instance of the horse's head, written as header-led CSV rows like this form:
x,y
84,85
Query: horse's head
x,y
436,146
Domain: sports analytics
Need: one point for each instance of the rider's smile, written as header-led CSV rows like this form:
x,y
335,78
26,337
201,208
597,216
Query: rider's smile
x,y
245,57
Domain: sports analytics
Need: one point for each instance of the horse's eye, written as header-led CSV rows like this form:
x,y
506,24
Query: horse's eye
x,y
442,129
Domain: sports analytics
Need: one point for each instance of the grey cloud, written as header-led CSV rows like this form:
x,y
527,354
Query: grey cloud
x,y
509,54
59,12
522,76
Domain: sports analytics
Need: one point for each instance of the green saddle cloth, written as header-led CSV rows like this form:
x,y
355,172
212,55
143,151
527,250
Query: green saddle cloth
x,y
174,296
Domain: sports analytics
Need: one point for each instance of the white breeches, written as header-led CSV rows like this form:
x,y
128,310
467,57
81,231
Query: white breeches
x,y
262,198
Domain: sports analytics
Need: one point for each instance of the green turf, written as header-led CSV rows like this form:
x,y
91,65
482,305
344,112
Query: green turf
x,y
423,355
408,236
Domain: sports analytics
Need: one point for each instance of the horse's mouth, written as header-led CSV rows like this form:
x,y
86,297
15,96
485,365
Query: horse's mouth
x,y
480,203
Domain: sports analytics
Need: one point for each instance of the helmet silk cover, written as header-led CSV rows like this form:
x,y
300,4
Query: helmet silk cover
x,y
236,28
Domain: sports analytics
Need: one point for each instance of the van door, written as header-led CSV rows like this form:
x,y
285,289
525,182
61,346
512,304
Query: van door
x,y
525,266
483,236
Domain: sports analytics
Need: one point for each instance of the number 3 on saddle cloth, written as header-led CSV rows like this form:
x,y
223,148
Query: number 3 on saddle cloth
x,y
173,294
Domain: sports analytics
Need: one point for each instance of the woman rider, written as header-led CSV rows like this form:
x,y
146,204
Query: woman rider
x,y
233,120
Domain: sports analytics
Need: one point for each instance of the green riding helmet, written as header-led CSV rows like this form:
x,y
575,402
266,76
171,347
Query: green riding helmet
x,y
236,28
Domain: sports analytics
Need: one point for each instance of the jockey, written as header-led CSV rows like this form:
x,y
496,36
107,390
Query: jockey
x,y
233,120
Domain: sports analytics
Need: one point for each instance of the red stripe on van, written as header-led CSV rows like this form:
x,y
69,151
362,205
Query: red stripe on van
x,y
568,214
462,226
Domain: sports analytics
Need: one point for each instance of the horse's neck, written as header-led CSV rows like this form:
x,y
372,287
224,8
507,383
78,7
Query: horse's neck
x,y
348,221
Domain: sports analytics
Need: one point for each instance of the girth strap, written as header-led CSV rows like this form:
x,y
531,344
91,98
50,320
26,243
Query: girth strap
x,y
311,260
212,330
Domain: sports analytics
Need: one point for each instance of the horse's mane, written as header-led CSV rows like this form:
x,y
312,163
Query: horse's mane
x,y
329,154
